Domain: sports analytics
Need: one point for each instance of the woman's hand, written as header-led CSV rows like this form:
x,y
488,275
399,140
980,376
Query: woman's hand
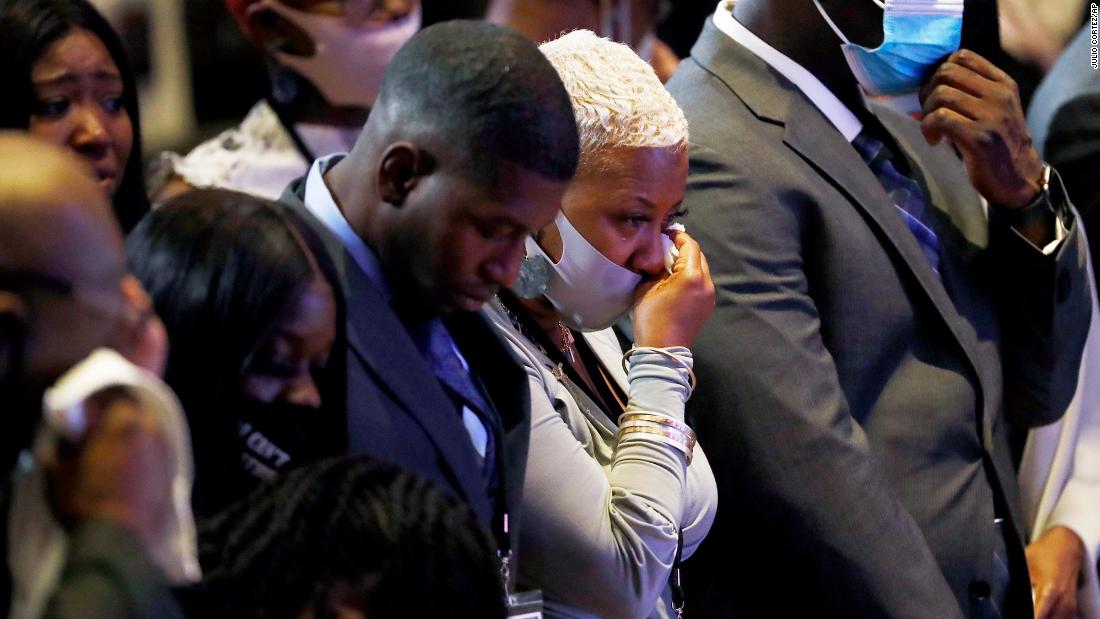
x,y
671,310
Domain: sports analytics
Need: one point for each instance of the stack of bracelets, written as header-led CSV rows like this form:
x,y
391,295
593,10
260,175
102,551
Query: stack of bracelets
x,y
659,427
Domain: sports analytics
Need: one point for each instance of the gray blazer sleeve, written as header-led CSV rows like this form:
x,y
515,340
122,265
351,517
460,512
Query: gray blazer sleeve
x,y
770,397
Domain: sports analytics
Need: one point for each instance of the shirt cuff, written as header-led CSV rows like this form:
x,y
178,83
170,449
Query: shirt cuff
x,y
1060,234
1058,203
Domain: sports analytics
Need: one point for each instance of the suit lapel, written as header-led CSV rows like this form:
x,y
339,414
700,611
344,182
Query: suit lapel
x,y
772,98
382,342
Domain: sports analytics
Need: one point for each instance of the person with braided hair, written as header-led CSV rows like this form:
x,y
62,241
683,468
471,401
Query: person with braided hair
x,y
346,537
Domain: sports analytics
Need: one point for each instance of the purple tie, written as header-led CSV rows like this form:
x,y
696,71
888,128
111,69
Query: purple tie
x,y
904,191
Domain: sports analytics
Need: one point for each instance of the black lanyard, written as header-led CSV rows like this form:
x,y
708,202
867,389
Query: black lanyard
x,y
284,120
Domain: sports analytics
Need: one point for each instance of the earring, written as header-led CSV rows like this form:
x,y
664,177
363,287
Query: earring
x,y
534,277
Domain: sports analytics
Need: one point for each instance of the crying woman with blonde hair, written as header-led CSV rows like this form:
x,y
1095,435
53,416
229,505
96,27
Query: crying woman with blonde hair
x,y
617,491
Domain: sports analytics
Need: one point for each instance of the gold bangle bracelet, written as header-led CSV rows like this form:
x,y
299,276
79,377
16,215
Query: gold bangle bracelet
x,y
687,439
660,418
654,434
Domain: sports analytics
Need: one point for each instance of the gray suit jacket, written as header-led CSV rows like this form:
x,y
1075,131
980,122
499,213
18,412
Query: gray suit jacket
x,y
853,405
396,408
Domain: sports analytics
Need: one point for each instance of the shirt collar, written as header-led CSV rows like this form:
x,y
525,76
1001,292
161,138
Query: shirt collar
x,y
823,99
319,201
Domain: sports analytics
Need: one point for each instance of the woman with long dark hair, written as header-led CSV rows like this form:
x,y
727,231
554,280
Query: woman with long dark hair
x,y
252,320
67,80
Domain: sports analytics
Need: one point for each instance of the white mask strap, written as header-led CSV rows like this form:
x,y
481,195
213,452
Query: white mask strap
x,y
829,20
880,3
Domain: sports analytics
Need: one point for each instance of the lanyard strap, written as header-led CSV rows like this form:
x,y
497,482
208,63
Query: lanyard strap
x,y
280,113
674,583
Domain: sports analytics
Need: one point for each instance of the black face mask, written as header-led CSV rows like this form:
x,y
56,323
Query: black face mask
x,y
273,437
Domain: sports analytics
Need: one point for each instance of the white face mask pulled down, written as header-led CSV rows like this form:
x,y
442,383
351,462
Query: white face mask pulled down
x,y
588,290
348,60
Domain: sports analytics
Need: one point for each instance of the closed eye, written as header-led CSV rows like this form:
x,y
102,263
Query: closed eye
x,y
675,216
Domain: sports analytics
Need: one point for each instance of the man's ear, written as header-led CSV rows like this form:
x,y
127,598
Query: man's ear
x,y
400,169
143,340
262,26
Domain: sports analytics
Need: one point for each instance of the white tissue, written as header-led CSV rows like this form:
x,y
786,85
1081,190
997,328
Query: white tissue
x,y
671,253
36,561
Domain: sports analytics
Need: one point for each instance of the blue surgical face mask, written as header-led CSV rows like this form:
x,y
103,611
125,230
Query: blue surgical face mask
x,y
917,35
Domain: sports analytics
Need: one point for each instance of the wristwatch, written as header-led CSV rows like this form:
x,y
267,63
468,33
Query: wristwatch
x,y
1040,207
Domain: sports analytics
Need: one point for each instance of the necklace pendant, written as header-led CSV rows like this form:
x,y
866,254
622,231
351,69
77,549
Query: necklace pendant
x,y
566,338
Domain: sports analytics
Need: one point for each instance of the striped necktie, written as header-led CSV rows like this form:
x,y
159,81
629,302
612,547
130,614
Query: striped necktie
x,y
461,387
904,191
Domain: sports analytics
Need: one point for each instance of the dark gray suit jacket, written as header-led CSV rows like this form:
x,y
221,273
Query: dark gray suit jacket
x,y
854,407
396,408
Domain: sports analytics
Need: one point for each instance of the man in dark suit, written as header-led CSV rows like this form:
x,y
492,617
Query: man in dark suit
x,y
874,328
468,150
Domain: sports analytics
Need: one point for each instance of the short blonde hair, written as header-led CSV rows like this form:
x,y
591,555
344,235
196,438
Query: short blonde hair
x,y
617,98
